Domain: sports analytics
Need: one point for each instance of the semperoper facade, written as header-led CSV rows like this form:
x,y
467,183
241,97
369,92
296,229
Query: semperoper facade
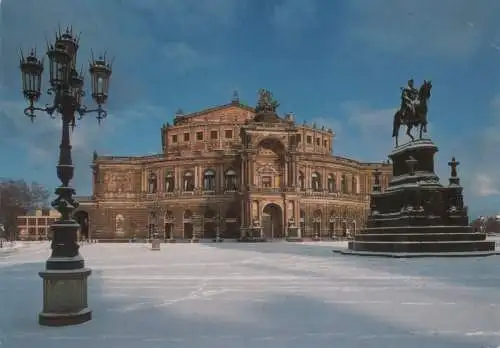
x,y
230,171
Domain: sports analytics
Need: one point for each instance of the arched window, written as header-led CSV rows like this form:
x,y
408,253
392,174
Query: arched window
x,y
301,181
230,181
169,215
152,182
354,185
169,182
332,183
343,184
188,181
209,180
316,181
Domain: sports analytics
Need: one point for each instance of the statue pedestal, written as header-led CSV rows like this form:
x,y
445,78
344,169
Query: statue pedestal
x,y
416,215
155,244
65,297
293,234
253,235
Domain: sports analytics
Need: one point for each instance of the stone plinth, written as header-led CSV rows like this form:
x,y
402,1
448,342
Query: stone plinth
x,y
65,297
155,244
252,235
416,215
293,234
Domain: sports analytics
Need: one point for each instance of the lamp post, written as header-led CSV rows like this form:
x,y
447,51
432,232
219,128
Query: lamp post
x,y
156,212
65,275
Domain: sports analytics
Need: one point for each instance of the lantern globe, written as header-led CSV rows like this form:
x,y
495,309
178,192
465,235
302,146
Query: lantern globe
x,y
100,72
31,70
69,43
60,65
76,87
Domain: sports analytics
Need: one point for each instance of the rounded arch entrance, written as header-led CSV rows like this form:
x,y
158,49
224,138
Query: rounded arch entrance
x,y
270,164
272,221
82,218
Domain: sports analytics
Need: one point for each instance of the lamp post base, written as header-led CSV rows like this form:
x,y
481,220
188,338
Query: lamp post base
x,y
58,319
155,244
65,297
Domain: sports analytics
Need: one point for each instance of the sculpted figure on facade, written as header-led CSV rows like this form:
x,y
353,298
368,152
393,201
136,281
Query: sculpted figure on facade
x,y
152,183
266,103
169,182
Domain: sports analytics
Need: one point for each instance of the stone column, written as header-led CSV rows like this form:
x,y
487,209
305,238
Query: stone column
x,y
242,220
160,177
285,184
143,180
324,179
178,179
285,218
220,182
217,226
308,177
243,172
196,177
251,169
245,216
295,170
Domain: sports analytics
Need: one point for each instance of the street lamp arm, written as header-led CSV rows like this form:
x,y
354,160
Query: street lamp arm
x,y
30,111
101,113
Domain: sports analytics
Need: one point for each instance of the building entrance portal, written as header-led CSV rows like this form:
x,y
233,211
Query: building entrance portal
x,y
82,217
168,230
272,221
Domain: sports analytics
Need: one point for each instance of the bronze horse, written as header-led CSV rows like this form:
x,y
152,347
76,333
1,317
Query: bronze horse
x,y
419,118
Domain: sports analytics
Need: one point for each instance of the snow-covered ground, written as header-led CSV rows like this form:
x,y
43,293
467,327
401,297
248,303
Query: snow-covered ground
x,y
264,295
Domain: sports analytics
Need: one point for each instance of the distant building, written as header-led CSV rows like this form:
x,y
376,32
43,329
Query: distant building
x,y
229,170
36,225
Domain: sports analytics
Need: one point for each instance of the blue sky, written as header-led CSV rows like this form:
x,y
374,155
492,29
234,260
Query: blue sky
x,y
336,63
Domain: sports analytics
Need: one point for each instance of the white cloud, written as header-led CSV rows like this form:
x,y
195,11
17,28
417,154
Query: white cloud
x,y
481,154
486,185
369,119
448,28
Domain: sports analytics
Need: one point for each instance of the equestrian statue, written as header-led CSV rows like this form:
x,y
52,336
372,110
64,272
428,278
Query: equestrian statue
x,y
413,110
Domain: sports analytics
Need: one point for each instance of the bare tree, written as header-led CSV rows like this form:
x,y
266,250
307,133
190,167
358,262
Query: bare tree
x,y
17,197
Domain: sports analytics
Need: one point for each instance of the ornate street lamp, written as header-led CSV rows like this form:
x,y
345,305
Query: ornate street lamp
x,y
218,236
65,275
